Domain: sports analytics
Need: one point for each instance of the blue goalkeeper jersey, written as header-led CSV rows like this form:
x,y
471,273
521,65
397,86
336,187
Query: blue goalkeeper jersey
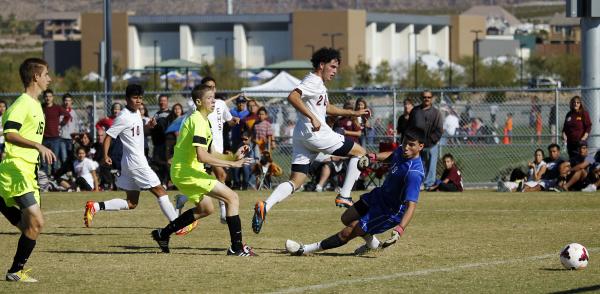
x,y
402,183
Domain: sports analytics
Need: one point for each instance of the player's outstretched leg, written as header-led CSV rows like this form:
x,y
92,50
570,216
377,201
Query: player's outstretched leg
x,y
91,208
344,198
280,193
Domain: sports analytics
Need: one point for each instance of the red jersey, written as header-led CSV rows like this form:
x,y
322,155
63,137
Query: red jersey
x,y
454,177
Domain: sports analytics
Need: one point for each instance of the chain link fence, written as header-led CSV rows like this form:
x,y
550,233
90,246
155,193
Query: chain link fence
x,y
482,146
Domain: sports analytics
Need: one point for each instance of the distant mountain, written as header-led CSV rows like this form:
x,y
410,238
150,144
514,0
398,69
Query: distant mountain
x,y
30,9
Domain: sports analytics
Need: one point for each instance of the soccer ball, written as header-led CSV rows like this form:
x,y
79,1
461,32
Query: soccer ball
x,y
292,246
574,256
363,163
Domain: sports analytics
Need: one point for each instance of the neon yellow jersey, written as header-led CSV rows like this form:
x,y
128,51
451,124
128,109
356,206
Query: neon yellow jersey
x,y
195,131
25,117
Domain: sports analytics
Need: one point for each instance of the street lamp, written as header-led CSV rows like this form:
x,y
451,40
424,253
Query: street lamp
x,y
312,48
155,75
332,35
475,55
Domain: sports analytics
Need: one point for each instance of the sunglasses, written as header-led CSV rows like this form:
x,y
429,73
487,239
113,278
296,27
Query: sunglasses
x,y
245,139
424,97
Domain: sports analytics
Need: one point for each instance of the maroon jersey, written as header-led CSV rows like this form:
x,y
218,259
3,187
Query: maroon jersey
x,y
454,177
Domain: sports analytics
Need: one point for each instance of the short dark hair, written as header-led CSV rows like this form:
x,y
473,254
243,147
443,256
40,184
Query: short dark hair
x,y
67,95
29,68
207,79
3,102
325,55
448,155
80,148
414,134
552,146
162,95
46,92
133,90
199,90
409,101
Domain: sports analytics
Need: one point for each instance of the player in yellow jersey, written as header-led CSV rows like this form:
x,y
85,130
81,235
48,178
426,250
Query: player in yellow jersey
x,y
19,192
188,174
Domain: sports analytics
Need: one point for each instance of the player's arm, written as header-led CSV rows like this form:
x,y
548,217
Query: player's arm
x,y
16,139
295,99
203,156
105,148
408,215
95,177
150,125
336,111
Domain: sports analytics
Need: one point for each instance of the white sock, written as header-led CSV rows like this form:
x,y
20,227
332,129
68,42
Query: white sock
x,y
372,241
284,190
314,247
167,207
319,188
116,204
96,206
223,209
351,177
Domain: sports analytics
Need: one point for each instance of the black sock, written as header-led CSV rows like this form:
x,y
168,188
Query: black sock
x,y
235,232
332,242
24,249
101,204
179,223
12,214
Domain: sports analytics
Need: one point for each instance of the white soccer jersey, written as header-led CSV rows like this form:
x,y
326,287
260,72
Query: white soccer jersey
x,y
314,96
130,128
84,169
217,118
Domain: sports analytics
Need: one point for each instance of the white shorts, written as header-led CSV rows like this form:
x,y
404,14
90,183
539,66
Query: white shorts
x,y
137,179
307,145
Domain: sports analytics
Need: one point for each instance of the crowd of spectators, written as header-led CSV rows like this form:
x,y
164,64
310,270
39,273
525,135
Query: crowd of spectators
x,y
79,157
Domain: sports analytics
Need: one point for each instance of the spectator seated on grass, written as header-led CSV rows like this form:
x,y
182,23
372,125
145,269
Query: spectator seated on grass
x,y
569,180
451,180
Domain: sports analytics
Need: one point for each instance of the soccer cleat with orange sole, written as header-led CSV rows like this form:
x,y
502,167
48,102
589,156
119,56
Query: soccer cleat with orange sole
x,y
187,229
260,214
89,213
342,201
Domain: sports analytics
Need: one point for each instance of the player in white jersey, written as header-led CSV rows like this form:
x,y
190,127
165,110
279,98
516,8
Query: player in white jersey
x,y
217,118
312,135
136,174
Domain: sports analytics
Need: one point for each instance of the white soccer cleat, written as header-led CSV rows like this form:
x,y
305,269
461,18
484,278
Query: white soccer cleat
x,y
294,248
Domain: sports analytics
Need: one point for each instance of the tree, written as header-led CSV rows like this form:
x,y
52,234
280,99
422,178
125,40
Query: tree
x,y
363,73
383,76
425,78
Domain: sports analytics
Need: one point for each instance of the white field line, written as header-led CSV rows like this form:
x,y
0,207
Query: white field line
x,y
424,272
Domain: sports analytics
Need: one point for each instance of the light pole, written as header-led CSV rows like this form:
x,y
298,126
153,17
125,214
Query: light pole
x,y
475,55
416,64
312,48
332,35
521,65
155,42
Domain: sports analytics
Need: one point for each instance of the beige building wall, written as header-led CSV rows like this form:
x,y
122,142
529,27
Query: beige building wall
x,y
308,28
92,33
461,37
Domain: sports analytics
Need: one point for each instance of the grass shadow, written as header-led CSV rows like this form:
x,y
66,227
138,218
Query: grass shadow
x,y
578,290
548,269
97,252
108,227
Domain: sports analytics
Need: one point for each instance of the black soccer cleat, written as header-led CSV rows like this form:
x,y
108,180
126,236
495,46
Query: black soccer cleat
x,y
163,242
245,251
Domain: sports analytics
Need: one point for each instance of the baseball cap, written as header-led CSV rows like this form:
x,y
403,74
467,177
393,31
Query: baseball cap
x,y
241,99
583,143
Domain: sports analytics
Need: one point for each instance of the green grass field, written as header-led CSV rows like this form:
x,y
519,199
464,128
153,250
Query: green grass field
x,y
473,242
